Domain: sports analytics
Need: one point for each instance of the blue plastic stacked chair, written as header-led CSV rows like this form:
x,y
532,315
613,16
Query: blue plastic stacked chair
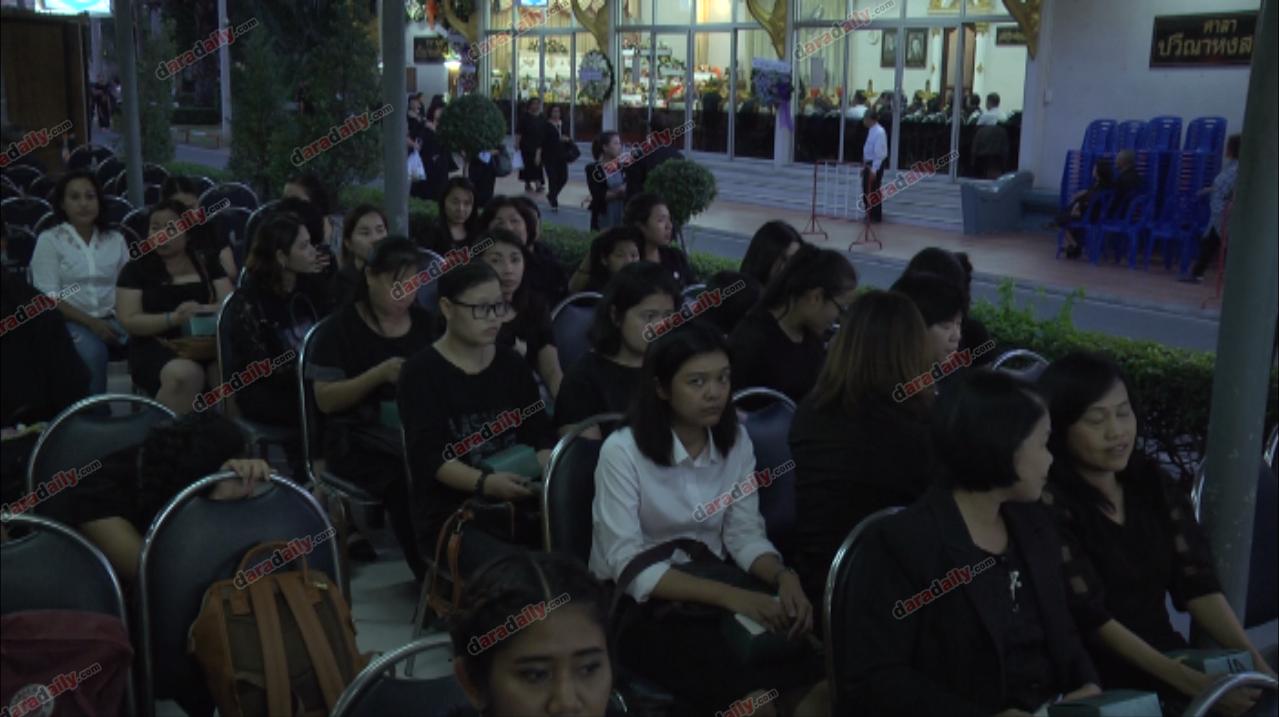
x,y
1174,224
1100,136
1162,134
1076,176
1128,133
1207,135
1128,221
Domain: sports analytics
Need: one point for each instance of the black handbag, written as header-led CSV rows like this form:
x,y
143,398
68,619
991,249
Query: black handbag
x,y
571,152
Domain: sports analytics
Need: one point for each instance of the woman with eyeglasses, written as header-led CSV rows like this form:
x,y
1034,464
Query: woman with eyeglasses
x,y
283,298
779,344
458,401
526,324
639,296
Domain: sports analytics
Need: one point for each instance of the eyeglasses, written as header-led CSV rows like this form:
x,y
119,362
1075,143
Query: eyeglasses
x,y
484,311
842,308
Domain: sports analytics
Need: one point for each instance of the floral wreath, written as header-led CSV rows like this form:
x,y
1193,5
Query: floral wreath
x,y
772,85
598,90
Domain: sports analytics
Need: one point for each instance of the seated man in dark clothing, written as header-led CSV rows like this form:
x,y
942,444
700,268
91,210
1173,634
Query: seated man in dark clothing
x,y
1128,183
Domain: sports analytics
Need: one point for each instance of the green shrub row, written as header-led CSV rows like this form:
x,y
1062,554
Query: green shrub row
x,y
1173,386
196,116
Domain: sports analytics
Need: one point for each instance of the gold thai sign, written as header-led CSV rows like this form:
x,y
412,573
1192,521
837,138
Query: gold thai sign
x,y
1197,40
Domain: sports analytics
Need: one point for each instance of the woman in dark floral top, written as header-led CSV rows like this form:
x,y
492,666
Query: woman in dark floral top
x,y
1129,538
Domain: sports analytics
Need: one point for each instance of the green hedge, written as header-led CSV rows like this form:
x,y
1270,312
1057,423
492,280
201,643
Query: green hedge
x,y
196,116
191,169
1174,385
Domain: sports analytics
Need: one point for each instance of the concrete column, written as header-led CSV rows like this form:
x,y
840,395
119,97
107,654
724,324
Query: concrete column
x,y
395,127
979,62
1245,342
131,132
224,70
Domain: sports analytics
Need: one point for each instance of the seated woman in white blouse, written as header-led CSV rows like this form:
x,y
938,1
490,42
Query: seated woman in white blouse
x,y
77,263
681,450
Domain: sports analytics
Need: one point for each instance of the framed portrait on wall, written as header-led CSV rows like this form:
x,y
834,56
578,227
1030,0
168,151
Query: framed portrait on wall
x,y
888,48
917,47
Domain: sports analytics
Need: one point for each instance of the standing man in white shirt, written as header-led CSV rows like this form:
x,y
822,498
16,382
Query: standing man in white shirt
x,y
874,157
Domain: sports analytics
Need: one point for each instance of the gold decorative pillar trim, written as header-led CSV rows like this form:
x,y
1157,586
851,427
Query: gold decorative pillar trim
x,y
774,22
470,29
595,22
1026,13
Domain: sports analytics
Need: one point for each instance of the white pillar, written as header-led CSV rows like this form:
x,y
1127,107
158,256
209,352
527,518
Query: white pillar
x,y
934,53
979,61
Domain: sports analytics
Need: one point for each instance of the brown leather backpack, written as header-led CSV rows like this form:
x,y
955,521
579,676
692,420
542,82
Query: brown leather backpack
x,y
282,645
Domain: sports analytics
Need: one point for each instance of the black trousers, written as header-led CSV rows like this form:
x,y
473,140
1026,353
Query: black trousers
x,y
556,178
876,212
1209,245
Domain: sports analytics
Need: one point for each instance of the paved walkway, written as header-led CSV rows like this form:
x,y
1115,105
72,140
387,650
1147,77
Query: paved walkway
x,y
1139,304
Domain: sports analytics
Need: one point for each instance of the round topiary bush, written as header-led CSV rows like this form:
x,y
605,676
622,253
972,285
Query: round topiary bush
x,y
687,187
471,124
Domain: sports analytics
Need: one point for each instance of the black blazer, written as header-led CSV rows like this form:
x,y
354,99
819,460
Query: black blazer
x,y
946,659
598,187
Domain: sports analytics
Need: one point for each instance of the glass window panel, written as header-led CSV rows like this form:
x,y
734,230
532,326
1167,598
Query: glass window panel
x,y
637,12
821,10
669,92
754,125
819,90
558,75
932,8
998,69
588,115
528,67
502,15
984,7
634,84
715,11
500,86
880,9
672,12
712,53
867,80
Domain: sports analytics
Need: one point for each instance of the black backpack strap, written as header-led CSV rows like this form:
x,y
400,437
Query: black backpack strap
x,y
654,555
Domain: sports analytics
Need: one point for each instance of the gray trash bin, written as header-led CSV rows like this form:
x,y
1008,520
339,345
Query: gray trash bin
x,y
994,207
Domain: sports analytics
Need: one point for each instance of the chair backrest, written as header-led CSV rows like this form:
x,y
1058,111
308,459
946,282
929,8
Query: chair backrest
x,y
115,209
1207,134
231,224
1099,136
1272,447
570,323
256,218
769,429
1076,175
24,211
203,184
151,194
43,187
82,433
22,175
46,223
569,490
20,246
8,190
1128,133
838,588
239,194
1161,134
1209,698
428,294
108,169
226,356
311,423
376,691
138,221
1031,364
692,291
88,156
1262,604
194,542
83,579
117,184
154,174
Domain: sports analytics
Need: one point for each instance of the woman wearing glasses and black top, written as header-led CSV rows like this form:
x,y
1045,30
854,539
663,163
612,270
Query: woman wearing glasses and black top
x,y
527,327
458,401
779,345
284,297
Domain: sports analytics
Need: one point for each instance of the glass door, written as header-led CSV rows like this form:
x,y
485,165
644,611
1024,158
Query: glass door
x,y
712,67
670,93
588,113
753,126
557,76
634,79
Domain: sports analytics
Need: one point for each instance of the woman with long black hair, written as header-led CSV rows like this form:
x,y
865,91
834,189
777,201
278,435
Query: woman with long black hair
x,y
458,217
355,363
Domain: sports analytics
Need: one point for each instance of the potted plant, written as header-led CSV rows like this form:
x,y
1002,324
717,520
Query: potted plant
x,y
687,187
471,124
